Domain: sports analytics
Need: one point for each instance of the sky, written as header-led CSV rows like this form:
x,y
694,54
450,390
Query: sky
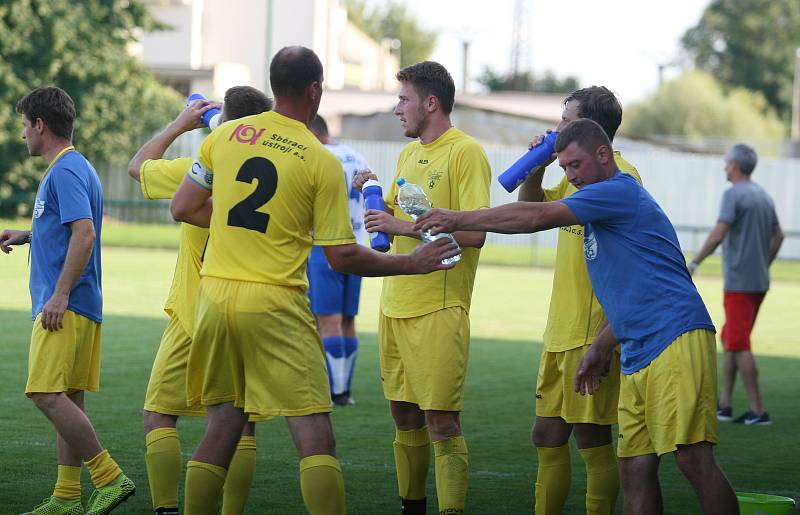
x,y
616,43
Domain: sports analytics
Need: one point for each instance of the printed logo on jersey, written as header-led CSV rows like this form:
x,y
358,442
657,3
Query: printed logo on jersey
x,y
433,178
590,246
38,207
246,134
423,161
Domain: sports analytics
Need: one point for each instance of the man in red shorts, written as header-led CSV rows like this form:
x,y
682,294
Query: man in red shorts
x,y
750,234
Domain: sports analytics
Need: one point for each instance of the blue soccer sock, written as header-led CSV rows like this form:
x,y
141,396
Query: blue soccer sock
x,y
350,353
335,359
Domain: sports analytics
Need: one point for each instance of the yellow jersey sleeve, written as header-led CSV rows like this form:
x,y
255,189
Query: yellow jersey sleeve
x,y
160,178
558,192
474,176
331,210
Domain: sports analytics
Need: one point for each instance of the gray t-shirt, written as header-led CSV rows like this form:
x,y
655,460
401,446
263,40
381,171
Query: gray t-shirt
x,y
745,250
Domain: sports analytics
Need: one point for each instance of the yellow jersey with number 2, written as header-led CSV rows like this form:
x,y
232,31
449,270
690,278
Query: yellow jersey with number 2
x,y
272,182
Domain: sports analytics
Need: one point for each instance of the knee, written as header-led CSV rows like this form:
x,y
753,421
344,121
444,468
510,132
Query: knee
x,y
407,416
45,401
549,432
694,460
153,420
443,424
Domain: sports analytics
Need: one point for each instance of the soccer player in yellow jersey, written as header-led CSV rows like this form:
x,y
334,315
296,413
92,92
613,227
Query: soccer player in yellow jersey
x,y
255,348
424,321
165,400
574,322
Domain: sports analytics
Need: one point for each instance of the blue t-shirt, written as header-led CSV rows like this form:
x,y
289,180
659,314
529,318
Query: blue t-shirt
x,y
70,191
637,269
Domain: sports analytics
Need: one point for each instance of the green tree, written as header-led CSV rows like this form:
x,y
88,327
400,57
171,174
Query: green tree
x,y
393,21
697,106
549,82
751,44
81,47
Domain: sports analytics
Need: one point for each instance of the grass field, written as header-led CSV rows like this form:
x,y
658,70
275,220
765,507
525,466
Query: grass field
x,y
508,317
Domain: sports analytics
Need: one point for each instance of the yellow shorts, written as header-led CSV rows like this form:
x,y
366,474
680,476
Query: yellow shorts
x,y
166,390
673,400
424,358
256,345
67,360
556,396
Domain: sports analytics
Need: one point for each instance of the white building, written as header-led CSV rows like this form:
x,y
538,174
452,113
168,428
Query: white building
x,y
212,45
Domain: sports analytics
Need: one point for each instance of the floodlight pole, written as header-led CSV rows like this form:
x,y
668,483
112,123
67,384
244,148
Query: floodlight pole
x,y
796,106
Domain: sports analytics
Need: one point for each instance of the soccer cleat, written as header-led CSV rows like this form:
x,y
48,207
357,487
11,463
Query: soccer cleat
x,y
724,414
167,511
751,419
106,498
55,506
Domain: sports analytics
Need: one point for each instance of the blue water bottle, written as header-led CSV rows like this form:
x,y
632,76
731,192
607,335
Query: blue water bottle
x,y
522,168
373,199
210,117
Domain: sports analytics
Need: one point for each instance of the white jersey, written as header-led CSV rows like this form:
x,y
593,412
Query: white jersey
x,y
352,162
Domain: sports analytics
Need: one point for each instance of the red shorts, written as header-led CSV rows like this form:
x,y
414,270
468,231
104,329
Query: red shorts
x,y
741,309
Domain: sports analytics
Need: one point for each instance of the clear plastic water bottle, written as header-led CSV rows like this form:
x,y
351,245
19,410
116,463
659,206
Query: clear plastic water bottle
x,y
373,199
522,167
413,201
211,117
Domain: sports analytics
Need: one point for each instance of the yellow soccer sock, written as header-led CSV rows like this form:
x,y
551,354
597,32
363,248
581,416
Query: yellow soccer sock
x,y
553,478
412,459
203,488
602,479
103,468
68,484
452,474
240,476
322,485
163,461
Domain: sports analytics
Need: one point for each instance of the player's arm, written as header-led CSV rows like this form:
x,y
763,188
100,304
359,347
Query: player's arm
x,y
775,242
359,260
79,250
531,189
713,240
11,237
513,218
192,202
596,363
189,119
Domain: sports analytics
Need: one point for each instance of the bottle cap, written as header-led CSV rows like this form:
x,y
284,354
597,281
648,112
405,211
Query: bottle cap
x,y
401,181
370,183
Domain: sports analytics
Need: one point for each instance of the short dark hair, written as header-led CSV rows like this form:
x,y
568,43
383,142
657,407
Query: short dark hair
x,y
431,78
54,106
241,101
293,69
319,126
598,103
588,134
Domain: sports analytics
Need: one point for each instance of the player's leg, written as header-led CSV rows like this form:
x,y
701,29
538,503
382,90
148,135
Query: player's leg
x,y
68,360
321,480
642,491
746,364
165,401
550,435
412,456
333,341
593,416
451,459
749,304
696,462
241,472
68,484
207,470
724,410
352,294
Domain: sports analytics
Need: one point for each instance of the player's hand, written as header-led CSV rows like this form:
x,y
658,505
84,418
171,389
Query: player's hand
x,y
438,220
10,237
428,257
594,365
381,221
363,176
53,312
192,117
536,141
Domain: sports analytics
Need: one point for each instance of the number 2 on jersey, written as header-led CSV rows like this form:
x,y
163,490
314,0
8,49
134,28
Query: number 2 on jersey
x,y
245,214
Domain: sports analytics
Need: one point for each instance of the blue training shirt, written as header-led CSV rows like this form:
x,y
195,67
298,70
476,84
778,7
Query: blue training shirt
x,y
637,269
69,191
